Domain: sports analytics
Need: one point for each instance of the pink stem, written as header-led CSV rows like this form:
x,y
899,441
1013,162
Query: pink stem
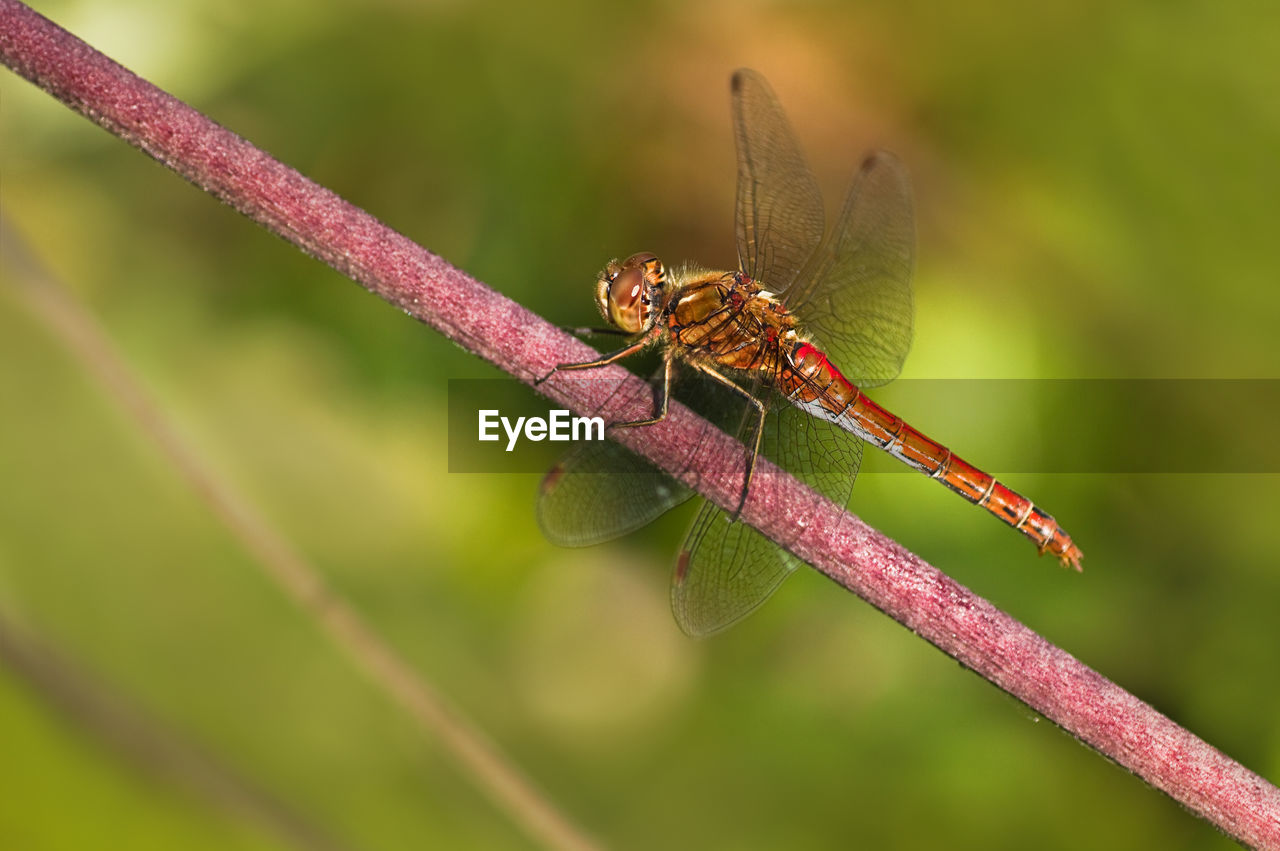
x,y
941,611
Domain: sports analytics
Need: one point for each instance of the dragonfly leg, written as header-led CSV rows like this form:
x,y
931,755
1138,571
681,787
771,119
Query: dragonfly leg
x,y
605,360
668,361
754,451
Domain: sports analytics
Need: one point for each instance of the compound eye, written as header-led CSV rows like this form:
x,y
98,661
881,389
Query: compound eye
x,y
644,260
626,299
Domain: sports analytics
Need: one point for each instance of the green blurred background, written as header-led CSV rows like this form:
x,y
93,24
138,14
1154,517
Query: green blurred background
x,y
1096,190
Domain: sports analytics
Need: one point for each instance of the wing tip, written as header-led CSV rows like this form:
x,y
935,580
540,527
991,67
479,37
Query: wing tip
x,y
741,76
552,478
882,157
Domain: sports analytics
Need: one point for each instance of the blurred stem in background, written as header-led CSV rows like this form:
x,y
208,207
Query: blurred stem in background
x,y
96,710
476,756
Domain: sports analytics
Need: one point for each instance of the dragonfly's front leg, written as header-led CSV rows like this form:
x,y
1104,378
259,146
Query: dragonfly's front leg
x,y
612,357
754,452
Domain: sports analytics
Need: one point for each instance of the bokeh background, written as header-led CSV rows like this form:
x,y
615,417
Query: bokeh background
x,y
1096,191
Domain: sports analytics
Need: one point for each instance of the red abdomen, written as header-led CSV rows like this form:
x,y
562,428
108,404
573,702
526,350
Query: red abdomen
x,y
809,381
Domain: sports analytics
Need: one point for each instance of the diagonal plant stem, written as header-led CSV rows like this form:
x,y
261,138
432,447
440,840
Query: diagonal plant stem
x,y
943,612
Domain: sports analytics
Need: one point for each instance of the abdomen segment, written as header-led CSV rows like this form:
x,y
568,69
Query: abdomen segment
x,y
810,382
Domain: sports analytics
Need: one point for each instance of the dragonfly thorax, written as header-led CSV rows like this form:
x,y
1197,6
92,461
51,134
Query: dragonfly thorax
x,y
630,294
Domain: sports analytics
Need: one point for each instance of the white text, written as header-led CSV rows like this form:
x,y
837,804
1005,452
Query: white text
x,y
558,426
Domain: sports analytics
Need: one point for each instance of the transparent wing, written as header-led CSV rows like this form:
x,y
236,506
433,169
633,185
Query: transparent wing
x,y
725,569
823,456
853,293
600,491
855,296
779,218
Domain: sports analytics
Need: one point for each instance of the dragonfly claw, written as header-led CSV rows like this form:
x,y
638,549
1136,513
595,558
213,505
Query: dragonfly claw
x,y
1070,557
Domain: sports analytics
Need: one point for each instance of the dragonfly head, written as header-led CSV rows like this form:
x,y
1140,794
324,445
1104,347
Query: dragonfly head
x,y
629,294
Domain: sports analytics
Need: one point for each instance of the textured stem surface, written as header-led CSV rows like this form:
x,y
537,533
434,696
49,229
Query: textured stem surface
x,y
943,612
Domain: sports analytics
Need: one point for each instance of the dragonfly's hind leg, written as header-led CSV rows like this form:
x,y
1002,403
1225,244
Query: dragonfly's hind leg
x,y
754,451
664,394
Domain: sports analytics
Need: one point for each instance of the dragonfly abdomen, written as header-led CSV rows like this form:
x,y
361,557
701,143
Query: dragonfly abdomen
x,y
810,381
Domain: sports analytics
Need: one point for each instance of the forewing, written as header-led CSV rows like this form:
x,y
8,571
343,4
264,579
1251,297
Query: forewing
x,y
855,297
779,217
600,491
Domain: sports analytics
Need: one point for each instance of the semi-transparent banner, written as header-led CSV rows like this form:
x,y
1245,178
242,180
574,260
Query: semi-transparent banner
x,y
1216,426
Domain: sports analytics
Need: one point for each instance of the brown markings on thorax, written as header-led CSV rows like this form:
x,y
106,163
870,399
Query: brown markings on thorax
x,y
724,318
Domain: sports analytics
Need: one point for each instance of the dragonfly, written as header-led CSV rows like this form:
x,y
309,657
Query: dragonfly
x,y
808,321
